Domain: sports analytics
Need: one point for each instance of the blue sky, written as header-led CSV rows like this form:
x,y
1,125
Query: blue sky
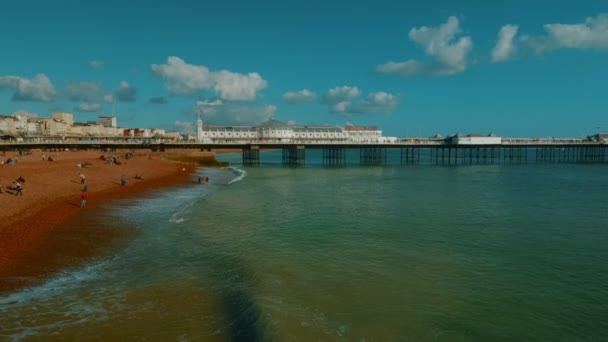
x,y
518,68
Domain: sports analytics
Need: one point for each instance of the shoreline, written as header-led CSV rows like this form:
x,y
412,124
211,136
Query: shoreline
x,y
33,225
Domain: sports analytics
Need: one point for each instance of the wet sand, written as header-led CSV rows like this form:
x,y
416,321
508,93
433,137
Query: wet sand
x,y
45,230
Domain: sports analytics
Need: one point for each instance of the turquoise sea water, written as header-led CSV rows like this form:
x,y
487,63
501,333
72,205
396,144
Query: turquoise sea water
x,y
466,253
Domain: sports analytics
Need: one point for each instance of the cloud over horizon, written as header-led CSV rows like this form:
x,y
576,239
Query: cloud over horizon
x,y
37,89
341,100
182,78
590,34
449,53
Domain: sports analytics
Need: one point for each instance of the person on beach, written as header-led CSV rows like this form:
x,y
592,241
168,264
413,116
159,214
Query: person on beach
x,y
82,178
83,197
123,180
19,189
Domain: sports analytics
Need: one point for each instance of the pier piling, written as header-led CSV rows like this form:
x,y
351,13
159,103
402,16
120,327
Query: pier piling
x,y
251,155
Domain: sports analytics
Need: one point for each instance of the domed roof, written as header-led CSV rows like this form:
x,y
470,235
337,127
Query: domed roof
x,y
271,123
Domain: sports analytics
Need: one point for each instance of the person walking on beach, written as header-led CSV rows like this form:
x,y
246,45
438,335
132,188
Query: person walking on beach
x,y
123,180
84,199
82,178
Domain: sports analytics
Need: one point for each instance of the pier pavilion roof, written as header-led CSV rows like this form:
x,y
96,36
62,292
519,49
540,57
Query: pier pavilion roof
x,y
272,123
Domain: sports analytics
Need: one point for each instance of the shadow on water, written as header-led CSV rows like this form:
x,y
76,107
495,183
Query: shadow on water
x,y
237,301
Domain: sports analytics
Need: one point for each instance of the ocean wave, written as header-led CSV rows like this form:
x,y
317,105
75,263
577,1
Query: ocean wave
x,y
241,174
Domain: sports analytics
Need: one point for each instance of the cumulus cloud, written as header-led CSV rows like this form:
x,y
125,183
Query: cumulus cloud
x,y
291,122
125,92
38,89
380,102
158,100
342,100
182,78
505,48
441,43
84,91
96,64
339,98
88,107
108,98
299,97
590,34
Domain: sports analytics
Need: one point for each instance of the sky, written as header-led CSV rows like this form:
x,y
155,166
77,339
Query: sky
x,y
412,68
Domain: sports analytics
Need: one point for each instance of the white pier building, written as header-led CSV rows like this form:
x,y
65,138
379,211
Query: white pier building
x,y
274,131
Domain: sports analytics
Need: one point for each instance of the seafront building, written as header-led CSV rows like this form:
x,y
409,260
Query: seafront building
x,y
62,127
274,131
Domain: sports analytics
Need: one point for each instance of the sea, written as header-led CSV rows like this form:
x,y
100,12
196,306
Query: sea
x,y
502,252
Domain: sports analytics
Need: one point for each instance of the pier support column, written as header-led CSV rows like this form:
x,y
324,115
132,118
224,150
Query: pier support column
x,y
251,155
334,156
294,155
410,155
372,155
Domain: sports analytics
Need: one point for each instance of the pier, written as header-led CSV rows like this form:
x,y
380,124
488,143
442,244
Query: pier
x,y
411,152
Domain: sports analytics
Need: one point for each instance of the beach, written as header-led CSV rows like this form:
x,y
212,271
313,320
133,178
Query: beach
x,y
51,199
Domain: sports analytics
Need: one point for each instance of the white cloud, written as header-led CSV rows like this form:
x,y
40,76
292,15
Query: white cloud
x,y
291,122
341,100
299,97
96,64
233,86
125,92
38,88
380,102
182,78
88,107
108,98
84,91
591,34
505,47
439,42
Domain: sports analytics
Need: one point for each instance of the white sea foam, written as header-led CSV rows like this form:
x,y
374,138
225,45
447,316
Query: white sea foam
x,y
241,174
55,286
